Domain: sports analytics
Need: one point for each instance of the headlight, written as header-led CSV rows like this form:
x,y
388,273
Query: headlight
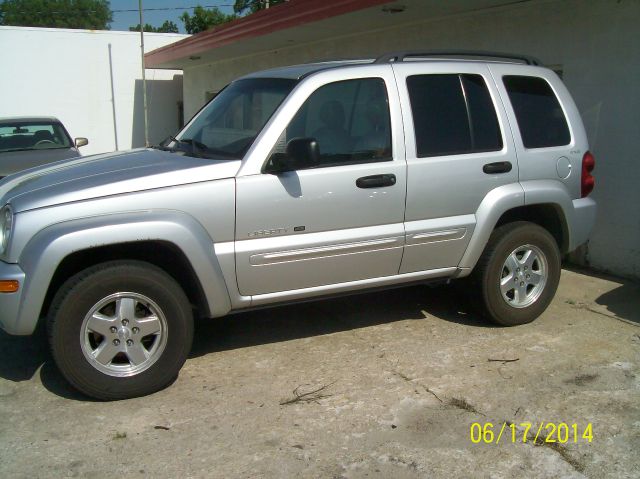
x,y
6,223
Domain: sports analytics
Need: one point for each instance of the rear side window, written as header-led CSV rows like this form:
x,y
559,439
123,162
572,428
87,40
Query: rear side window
x,y
540,117
453,114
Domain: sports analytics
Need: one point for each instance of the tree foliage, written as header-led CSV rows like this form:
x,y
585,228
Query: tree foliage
x,y
252,6
167,27
85,14
204,18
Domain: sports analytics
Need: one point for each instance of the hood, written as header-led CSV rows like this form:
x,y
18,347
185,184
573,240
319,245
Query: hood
x,y
14,161
108,174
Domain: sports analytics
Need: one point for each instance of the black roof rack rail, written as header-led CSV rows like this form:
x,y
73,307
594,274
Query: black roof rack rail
x,y
400,56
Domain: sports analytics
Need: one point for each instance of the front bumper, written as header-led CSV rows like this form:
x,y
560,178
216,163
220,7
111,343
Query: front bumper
x,y
10,302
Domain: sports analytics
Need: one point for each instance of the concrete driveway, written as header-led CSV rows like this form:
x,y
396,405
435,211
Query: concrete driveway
x,y
379,385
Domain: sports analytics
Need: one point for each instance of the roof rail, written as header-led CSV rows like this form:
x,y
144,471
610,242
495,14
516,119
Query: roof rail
x,y
400,56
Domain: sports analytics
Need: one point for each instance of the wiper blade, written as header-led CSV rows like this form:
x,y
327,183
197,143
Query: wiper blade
x,y
194,147
163,144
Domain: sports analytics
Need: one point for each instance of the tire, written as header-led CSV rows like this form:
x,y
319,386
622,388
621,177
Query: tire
x,y
527,254
120,329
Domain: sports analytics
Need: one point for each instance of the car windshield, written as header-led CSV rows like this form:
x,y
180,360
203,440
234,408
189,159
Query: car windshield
x,y
227,126
26,135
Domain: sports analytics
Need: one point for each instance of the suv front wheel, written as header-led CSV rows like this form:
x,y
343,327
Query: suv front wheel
x,y
120,329
518,273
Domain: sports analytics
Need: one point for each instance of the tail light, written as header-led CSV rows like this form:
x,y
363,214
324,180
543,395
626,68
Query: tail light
x,y
587,181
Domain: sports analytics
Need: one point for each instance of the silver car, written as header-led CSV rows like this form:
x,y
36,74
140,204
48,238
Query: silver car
x,y
26,142
298,183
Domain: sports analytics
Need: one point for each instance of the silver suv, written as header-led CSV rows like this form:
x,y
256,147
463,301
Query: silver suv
x,y
296,183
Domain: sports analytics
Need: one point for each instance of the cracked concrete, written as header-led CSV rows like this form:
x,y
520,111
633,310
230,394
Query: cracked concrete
x,y
406,373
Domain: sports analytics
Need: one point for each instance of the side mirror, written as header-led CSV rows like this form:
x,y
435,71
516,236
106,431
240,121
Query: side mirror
x,y
301,153
78,142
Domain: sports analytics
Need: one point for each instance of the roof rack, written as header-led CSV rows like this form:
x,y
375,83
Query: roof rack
x,y
400,56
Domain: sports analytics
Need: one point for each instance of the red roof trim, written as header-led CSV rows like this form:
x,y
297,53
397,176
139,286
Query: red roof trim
x,y
280,17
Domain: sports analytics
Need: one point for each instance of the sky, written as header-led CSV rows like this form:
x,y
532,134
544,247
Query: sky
x,y
124,20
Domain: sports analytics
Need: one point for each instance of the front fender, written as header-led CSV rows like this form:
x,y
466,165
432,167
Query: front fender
x,y
45,251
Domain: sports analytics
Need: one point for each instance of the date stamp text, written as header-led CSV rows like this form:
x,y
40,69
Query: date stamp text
x,y
538,433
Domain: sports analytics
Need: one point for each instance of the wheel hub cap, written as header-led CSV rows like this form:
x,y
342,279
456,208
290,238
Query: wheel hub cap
x,y
524,276
123,334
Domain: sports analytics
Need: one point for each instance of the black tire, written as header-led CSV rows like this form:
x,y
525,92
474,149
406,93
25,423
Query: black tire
x,y
78,296
491,270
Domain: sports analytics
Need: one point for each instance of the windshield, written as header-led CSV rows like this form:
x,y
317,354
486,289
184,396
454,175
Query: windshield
x,y
26,135
228,125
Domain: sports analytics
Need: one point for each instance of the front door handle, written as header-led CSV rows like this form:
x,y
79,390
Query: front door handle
x,y
376,181
497,167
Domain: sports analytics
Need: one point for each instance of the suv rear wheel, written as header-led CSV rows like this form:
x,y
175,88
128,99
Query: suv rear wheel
x,y
518,273
120,329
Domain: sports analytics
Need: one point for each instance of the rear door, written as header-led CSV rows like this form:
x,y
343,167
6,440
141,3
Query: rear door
x,y
458,149
341,219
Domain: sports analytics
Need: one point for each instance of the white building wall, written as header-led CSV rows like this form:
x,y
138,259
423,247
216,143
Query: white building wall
x,y
90,80
595,43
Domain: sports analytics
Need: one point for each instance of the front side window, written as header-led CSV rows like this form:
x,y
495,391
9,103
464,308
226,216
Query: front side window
x,y
227,126
540,117
349,120
29,135
453,114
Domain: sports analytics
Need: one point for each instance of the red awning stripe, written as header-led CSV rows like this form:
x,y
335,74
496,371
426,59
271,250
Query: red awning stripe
x,y
280,17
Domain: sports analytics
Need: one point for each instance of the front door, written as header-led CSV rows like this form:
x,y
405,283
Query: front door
x,y
336,219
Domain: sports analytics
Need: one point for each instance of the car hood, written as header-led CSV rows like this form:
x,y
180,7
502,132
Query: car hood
x,y
14,161
108,174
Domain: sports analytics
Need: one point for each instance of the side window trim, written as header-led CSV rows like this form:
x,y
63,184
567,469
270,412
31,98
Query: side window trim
x,y
469,117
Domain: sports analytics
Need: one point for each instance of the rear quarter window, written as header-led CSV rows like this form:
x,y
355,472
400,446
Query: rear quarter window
x,y
540,117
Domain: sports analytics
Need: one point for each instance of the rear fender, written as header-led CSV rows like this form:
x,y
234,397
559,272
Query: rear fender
x,y
493,206
500,200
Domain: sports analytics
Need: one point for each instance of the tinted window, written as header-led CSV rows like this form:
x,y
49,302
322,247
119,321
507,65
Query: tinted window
x,y
540,117
486,131
453,114
349,120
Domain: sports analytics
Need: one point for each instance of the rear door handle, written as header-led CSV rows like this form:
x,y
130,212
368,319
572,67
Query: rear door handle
x,y
497,167
376,181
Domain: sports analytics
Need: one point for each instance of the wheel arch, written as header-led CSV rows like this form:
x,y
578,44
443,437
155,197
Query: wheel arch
x,y
163,254
544,204
171,240
547,215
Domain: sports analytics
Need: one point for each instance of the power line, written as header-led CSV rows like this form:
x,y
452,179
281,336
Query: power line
x,y
174,8
135,9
